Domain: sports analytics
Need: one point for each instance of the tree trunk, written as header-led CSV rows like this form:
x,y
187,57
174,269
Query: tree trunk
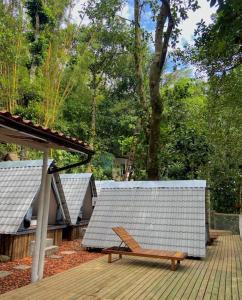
x,y
155,122
36,36
94,112
143,123
162,36
138,57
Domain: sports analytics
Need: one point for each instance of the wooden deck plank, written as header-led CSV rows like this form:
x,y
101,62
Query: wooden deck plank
x,y
206,265
114,288
214,277
122,285
162,285
235,289
142,291
238,256
192,292
228,284
217,279
221,292
152,275
178,285
187,287
96,273
204,280
142,278
100,281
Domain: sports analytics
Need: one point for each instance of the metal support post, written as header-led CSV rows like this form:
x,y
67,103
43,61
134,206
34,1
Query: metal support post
x,y
44,226
36,252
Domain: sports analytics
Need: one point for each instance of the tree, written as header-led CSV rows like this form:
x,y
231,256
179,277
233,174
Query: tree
x,y
217,48
167,15
110,40
224,135
140,59
53,43
186,151
217,51
13,55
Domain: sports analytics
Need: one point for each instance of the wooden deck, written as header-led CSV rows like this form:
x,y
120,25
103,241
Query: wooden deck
x,y
219,276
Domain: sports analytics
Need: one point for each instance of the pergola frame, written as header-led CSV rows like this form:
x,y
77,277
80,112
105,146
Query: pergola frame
x,y
14,129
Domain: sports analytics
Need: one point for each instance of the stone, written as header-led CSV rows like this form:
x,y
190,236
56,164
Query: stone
x,y
22,267
55,256
51,250
68,252
4,258
4,274
48,243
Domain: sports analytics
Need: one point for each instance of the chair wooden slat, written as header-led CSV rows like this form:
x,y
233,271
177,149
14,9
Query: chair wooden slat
x,y
136,250
127,238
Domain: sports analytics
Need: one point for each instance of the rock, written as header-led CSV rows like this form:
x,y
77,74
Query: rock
x,y
4,274
55,256
51,250
68,252
4,258
48,243
22,267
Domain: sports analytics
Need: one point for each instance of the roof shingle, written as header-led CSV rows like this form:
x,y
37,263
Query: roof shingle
x,y
18,188
75,188
160,216
19,185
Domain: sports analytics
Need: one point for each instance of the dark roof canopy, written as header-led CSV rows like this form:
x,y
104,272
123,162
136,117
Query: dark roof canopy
x,y
14,129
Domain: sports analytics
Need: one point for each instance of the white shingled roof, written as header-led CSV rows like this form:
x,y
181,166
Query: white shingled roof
x,y
19,184
103,183
75,187
168,215
111,184
99,184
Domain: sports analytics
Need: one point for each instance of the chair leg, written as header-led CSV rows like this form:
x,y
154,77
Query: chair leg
x,y
109,257
173,265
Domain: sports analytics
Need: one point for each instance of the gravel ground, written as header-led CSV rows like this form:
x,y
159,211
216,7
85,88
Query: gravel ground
x,y
19,278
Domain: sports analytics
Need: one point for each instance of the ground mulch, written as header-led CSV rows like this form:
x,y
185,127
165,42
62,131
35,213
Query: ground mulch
x,y
20,278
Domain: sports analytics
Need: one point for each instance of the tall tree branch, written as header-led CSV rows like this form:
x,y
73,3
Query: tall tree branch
x,y
162,37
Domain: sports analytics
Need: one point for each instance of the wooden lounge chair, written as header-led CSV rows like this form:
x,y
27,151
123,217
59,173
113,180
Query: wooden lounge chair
x,y
134,249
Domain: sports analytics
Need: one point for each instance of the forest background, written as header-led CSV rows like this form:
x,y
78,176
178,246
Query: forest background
x,y
93,80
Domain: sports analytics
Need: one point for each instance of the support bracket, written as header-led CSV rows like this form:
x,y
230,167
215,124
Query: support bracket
x,y
54,169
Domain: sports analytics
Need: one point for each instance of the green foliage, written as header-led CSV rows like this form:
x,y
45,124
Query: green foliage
x,y
103,10
218,46
102,165
13,57
217,51
185,151
55,73
224,190
37,8
225,136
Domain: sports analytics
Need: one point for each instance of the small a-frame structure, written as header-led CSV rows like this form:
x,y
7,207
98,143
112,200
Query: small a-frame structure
x,y
79,190
19,186
14,129
164,215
